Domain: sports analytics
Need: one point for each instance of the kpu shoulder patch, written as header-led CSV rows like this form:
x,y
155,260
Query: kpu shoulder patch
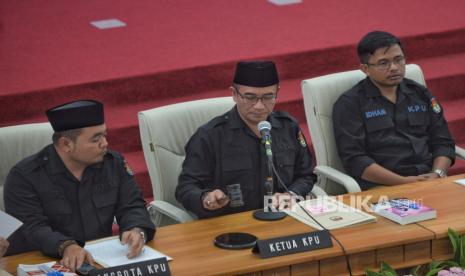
x,y
128,169
301,139
435,105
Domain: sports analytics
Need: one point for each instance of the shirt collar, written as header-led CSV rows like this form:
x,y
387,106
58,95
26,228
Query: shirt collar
x,y
275,123
56,164
235,119
404,88
371,90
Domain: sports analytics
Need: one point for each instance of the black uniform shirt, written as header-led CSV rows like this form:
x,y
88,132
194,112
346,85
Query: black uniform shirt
x,y
54,206
404,137
225,151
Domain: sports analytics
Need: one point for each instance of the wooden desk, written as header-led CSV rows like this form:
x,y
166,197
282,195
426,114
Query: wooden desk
x,y
191,244
443,195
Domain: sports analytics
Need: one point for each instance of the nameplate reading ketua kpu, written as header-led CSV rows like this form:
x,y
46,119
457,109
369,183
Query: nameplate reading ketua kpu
x,y
152,267
293,244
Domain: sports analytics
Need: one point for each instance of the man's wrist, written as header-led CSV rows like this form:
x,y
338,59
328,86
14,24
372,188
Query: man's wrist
x,y
202,198
440,172
63,245
141,233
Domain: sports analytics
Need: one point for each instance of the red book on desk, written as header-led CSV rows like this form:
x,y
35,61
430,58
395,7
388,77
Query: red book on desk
x,y
34,270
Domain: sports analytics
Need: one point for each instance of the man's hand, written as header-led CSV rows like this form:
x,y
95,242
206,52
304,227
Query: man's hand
x,y
74,256
430,176
3,246
135,241
214,200
414,178
283,201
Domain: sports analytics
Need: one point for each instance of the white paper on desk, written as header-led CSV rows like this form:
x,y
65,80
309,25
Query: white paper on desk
x,y
9,224
460,181
110,252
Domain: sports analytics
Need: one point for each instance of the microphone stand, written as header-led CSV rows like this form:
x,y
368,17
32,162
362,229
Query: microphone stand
x,y
270,214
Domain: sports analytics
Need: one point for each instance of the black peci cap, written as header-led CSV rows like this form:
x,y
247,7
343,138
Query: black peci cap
x,y
256,73
77,114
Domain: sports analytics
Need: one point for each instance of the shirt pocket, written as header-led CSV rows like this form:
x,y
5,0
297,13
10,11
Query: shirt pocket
x,y
237,168
105,203
418,122
378,123
285,159
235,163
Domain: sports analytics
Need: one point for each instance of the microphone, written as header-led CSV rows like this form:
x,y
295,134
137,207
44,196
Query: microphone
x,y
265,130
264,127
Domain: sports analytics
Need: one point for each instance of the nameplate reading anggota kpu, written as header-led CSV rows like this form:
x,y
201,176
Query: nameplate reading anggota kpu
x,y
293,244
153,267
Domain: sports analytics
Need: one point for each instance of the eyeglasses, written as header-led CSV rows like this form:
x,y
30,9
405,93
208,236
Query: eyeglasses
x,y
386,64
252,99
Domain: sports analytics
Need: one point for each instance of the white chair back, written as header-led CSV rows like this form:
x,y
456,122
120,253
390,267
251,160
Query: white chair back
x,y
164,134
18,142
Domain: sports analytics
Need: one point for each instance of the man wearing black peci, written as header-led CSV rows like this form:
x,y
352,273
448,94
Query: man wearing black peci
x,y
227,154
389,129
71,191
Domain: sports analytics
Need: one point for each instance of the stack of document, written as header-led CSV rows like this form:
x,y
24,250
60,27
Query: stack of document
x,y
110,252
329,212
38,269
404,211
